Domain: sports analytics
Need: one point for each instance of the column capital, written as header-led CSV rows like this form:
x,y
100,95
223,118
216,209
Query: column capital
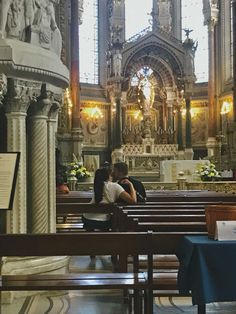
x,y
20,94
53,110
43,104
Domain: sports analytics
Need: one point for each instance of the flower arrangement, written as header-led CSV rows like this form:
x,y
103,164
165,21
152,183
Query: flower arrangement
x,y
208,172
76,169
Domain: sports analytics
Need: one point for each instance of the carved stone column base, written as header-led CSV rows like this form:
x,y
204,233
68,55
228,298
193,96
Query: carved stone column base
x,y
211,146
180,155
31,265
117,155
188,154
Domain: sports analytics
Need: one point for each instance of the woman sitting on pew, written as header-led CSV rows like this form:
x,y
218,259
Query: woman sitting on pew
x,y
105,192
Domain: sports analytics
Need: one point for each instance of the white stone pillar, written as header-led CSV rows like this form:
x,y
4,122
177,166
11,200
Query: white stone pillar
x,y
39,165
52,121
211,13
16,106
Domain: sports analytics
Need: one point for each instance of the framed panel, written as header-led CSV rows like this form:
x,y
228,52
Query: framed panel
x,y
9,164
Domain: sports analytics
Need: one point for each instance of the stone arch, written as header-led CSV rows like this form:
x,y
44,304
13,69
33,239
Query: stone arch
x,y
164,63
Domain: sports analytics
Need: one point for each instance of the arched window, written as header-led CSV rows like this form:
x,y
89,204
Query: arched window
x,y
192,18
88,41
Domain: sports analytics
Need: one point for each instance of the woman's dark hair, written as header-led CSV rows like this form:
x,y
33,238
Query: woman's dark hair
x,y
101,175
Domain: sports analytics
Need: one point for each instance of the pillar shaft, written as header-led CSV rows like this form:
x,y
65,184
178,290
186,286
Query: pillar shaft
x,y
39,167
211,80
188,124
75,80
118,129
234,57
17,101
16,142
179,130
52,121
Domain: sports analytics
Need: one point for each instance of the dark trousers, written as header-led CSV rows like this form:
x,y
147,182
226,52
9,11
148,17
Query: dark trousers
x,y
91,225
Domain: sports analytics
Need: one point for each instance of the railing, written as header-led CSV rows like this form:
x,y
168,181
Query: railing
x,y
220,186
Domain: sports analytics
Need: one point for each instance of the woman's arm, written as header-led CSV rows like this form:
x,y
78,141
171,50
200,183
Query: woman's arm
x,y
131,197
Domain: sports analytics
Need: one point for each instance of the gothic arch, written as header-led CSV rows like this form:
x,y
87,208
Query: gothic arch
x,y
160,59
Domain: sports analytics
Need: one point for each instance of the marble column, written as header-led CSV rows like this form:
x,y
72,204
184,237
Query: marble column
x,y
16,105
170,122
124,103
180,133
77,133
52,123
234,56
211,11
39,163
118,129
188,131
211,81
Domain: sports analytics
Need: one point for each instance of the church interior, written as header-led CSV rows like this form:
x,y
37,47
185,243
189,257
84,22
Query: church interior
x,y
85,83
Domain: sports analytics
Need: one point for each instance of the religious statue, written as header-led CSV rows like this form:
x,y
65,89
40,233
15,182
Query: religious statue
x,y
16,16
187,31
5,5
117,63
45,23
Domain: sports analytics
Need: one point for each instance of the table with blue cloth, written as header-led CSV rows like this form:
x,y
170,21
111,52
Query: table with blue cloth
x,y
207,269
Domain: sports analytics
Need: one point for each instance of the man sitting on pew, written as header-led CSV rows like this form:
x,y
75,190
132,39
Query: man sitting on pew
x,y
120,172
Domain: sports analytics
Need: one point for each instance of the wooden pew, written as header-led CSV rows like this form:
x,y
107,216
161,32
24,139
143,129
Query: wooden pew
x,y
162,219
192,196
170,225
122,244
159,196
69,218
74,197
162,282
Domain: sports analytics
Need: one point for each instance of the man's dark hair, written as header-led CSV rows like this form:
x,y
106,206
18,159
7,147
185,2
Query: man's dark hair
x,y
121,167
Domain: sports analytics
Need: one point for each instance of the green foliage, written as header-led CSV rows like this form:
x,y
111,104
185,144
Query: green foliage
x,y
208,172
78,170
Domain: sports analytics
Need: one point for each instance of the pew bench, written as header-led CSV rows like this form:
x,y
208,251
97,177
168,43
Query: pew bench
x,y
81,244
69,215
162,282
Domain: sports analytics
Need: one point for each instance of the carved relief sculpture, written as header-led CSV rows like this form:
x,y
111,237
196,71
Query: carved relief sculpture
x,y
45,26
16,16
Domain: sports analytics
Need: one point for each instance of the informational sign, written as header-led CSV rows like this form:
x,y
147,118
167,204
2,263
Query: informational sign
x,y
9,164
225,230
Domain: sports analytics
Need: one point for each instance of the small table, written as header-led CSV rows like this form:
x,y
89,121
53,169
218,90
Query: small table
x,y
207,269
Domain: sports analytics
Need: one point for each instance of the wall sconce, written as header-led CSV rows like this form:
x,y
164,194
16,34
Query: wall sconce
x,y
225,108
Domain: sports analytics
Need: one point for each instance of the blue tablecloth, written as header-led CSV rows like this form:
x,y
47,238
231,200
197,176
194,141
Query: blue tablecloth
x,y
207,269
